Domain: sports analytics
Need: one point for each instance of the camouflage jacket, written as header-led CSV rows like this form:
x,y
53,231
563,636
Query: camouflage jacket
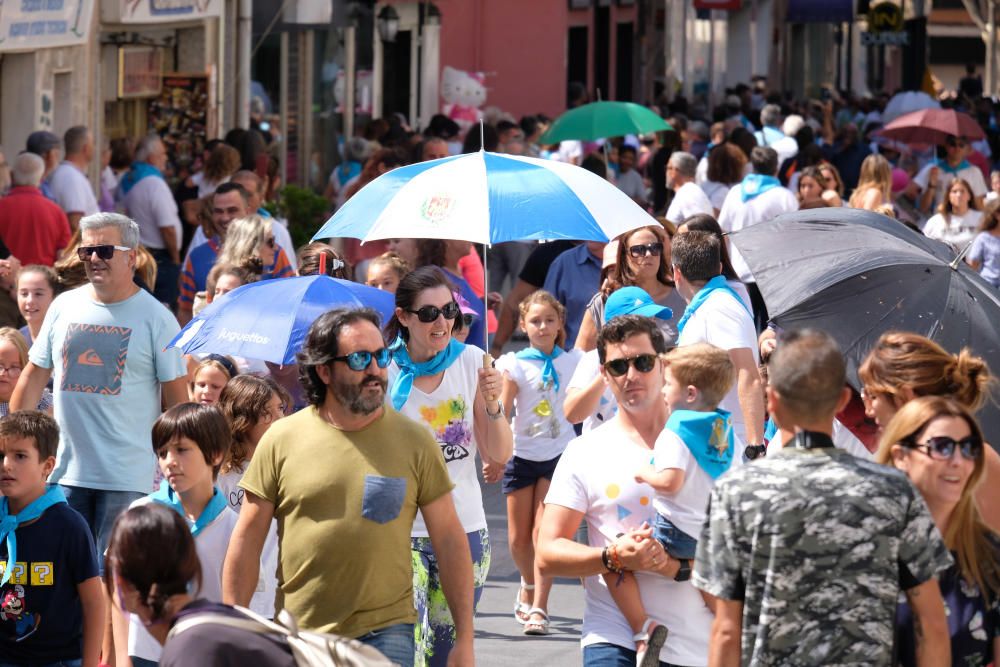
x,y
814,542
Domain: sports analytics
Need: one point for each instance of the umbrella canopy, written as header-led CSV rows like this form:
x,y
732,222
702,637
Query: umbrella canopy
x,y
269,320
487,198
907,102
857,275
598,120
932,126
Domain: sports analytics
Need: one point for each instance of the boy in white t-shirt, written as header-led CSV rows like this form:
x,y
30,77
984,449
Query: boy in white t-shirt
x,y
694,449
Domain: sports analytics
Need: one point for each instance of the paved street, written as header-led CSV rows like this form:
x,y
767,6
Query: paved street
x,y
498,637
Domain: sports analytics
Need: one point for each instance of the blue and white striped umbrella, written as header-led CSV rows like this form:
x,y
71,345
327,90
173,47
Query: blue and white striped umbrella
x,y
487,198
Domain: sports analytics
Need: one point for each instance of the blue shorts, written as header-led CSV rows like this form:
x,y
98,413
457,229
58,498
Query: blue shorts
x,y
677,543
521,473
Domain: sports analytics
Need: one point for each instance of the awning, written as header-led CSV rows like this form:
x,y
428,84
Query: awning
x,y
820,11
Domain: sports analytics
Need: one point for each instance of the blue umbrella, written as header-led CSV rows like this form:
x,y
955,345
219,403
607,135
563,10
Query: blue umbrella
x,y
487,198
269,320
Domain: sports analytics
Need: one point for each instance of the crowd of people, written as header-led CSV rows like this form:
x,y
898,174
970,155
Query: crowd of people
x,y
734,510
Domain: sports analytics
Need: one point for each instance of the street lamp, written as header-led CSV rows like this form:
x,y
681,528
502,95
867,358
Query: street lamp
x,y
433,15
388,24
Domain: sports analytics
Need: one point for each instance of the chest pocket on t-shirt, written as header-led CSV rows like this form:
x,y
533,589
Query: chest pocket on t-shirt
x,y
383,498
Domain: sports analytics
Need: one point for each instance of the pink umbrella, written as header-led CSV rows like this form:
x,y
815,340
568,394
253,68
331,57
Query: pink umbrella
x,y
932,126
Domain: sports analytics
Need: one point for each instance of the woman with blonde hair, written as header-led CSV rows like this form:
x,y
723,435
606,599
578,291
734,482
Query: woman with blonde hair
x,y
958,216
904,366
874,184
937,443
250,243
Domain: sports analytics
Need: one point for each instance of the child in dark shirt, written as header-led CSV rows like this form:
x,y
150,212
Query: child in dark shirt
x,y
51,602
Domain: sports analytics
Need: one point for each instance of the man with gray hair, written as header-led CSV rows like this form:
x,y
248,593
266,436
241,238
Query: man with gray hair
x,y
770,120
106,343
146,197
70,187
33,228
689,199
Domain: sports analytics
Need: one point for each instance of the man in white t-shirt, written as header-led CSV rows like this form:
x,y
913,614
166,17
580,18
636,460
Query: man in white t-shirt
x,y
689,199
717,315
932,181
759,197
69,184
595,480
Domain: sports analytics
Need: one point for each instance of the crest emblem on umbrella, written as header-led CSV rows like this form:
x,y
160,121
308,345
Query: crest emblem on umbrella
x,y
437,208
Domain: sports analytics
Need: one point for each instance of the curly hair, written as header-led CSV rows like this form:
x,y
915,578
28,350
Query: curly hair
x,y
321,347
243,402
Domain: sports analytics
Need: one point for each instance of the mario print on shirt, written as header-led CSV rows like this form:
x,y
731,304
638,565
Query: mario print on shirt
x,y
13,608
94,358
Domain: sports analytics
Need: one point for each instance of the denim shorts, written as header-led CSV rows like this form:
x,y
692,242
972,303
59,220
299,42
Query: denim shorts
x,y
521,473
677,543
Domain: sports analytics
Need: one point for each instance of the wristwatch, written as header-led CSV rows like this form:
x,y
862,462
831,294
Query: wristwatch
x,y
684,573
755,451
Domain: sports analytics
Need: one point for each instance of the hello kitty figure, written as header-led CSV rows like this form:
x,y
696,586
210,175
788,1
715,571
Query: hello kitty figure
x,y
464,93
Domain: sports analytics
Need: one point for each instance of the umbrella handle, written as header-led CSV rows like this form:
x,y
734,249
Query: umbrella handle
x,y
487,364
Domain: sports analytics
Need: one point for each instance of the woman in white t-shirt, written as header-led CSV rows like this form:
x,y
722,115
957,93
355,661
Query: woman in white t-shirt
x,y
535,381
442,384
250,405
958,216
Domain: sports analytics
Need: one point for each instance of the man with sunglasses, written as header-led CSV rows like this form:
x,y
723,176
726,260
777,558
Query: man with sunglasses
x,y
932,181
345,478
716,314
595,481
809,548
106,343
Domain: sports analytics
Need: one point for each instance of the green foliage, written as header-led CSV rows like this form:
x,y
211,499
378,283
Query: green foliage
x,y
305,211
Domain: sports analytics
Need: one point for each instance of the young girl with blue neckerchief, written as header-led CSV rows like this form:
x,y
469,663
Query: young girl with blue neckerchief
x,y
442,384
535,383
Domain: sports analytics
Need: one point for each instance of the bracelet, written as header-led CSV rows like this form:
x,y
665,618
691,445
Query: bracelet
x,y
495,415
614,560
604,559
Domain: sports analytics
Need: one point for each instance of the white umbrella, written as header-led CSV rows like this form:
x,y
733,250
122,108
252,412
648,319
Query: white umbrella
x,y
908,102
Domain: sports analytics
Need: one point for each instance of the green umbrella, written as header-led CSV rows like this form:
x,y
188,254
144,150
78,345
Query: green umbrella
x,y
599,120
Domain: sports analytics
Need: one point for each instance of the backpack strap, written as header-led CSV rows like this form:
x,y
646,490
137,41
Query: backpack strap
x,y
254,623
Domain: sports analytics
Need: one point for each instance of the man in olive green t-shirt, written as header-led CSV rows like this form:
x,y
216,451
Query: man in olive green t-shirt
x,y
344,478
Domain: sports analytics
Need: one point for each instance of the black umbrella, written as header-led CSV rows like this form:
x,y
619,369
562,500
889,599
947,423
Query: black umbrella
x,y
857,274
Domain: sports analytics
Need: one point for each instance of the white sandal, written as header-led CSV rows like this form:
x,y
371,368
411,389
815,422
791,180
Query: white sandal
x,y
654,634
537,628
522,609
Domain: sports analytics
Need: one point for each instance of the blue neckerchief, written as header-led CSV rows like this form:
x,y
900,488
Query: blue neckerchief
x,y
216,506
709,436
756,184
9,522
139,171
263,212
770,430
716,283
408,370
948,169
550,378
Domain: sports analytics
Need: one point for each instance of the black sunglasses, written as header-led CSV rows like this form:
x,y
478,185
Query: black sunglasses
x,y
942,448
360,360
428,314
105,252
619,367
643,249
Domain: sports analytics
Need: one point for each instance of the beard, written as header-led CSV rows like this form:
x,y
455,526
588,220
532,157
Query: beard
x,y
353,396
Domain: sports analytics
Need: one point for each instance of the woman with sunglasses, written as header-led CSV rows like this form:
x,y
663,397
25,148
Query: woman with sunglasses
x,y
442,384
939,445
643,261
250,243
904,366
984,256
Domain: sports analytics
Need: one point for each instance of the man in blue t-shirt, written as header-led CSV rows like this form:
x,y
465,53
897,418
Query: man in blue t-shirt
x,y
107,345
573,279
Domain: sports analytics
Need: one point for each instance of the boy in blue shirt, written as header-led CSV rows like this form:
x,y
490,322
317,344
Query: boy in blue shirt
x,y
51,599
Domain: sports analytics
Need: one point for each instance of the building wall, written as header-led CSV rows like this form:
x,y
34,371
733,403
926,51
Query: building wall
x,y
521,46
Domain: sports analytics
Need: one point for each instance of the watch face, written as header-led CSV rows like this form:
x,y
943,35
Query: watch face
x,y
755,451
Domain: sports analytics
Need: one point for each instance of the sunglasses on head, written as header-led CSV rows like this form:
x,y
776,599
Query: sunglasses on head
x,y
942,448
105,252
619,367
360,360
643,249
428,314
